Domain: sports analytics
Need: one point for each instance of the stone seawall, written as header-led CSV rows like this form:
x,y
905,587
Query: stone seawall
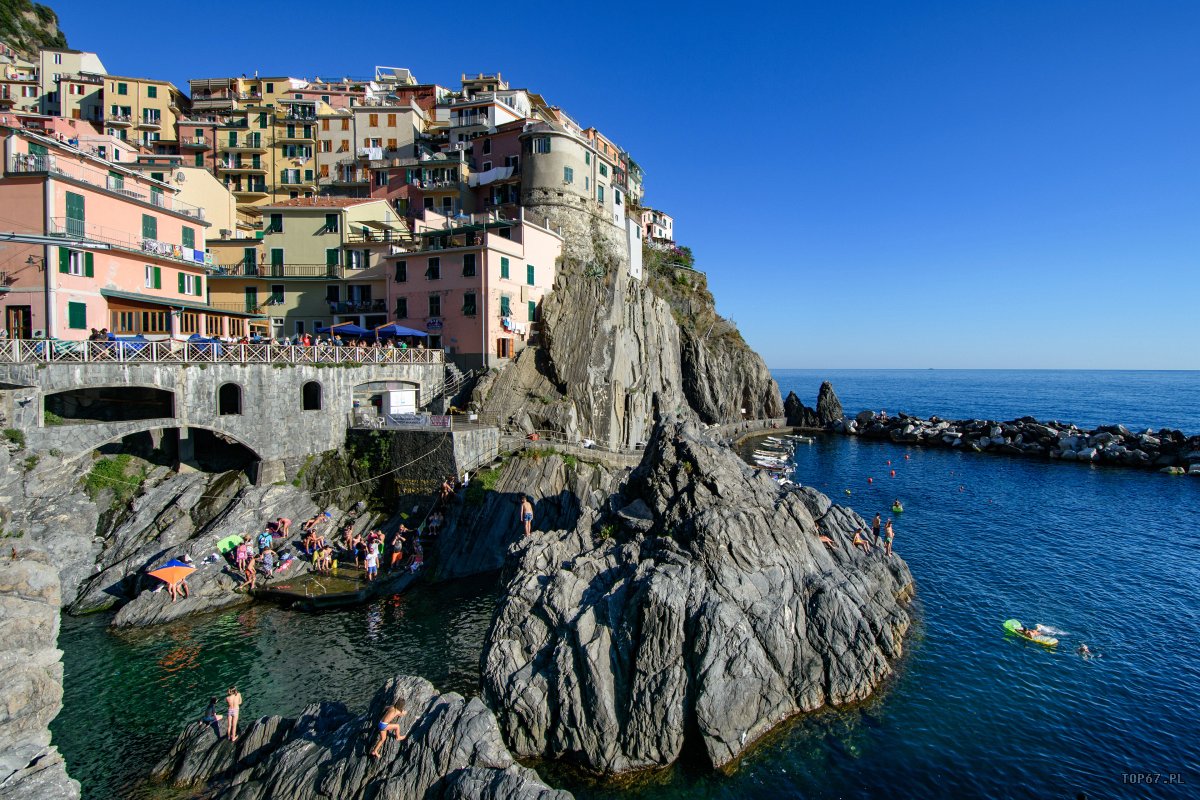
x,y
1166,450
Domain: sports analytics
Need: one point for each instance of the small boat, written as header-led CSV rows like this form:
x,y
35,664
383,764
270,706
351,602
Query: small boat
x,y
1014,627
803,439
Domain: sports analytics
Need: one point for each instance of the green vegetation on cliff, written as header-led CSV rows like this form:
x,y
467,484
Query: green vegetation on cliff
x,y
671,275
26,26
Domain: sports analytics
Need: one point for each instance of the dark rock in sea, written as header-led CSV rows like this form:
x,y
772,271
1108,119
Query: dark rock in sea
x,y
452,749
827,413
829,408
621,652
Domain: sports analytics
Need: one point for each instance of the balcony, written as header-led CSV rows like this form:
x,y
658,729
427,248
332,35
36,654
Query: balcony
x,y
194,142
247,144
240,166
234,123
350,177
292,182
239,308
243,269
29,163
296,136
123,240
150,123
118,120
358,307
250,191
295,114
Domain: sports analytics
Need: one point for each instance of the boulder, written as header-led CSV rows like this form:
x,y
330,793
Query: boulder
x,y
829,408
725,618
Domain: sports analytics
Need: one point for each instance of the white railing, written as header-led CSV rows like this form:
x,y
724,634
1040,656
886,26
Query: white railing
x,y
35,351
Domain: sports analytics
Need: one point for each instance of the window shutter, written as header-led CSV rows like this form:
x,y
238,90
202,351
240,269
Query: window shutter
x,y
331,257
401,271
503,267
182,288
366,258
88,269
529,274
158,277
189,238
64,260
532,310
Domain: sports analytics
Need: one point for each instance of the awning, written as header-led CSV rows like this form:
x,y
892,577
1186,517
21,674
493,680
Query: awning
x,y
345,329
374,223
171,303
393,329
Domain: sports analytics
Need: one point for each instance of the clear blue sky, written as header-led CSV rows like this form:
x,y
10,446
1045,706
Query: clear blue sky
x,y
870,184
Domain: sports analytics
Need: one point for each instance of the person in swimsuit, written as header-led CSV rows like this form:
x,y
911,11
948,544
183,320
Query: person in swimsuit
x,y
211,717
875,523
233,699
526,513
889,533
251,571
861,542
388,725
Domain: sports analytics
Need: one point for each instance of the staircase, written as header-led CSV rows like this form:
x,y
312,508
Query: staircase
x,y
456,380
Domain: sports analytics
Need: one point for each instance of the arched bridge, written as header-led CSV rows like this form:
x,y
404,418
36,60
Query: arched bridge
x,y
281,402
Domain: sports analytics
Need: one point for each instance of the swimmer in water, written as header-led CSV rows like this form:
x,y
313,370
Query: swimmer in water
x,y
1084,651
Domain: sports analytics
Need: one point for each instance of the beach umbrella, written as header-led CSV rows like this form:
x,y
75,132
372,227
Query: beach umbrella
x,y
173,572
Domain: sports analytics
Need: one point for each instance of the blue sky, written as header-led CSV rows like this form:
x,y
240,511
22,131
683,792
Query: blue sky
x,y
868,184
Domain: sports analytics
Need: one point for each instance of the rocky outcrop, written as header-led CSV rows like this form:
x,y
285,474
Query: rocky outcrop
x,y
697,618
827,413
614,352
27,27
30,767
479,531
452,749
1166,450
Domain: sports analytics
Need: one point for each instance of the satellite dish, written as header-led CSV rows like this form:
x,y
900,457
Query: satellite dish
x,y
180,177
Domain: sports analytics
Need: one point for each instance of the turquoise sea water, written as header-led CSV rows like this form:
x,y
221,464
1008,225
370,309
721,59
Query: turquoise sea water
x,y
1108,556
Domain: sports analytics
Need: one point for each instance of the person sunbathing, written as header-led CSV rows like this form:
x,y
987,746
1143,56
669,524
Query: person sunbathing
x,y
860,542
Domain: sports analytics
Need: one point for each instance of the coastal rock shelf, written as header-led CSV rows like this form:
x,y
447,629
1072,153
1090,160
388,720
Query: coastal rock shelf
x,y
452,750
699,615
1165,450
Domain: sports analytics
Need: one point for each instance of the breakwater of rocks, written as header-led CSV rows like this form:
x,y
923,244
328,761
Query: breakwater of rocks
x,y
1166,450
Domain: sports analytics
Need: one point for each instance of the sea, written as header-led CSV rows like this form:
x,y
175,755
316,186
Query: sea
x,y
1101,555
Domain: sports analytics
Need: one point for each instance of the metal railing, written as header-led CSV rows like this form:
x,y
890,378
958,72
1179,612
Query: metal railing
x,y
68,168
35,351
62,226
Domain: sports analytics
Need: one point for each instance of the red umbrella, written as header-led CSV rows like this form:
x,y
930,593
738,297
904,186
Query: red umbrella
x,y
173,572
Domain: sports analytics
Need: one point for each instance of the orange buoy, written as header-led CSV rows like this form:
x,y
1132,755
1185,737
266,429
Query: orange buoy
x,y
893,473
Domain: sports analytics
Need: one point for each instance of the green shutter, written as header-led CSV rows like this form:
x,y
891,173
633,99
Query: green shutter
x,y
182,288
331,257
158,277
77,316
199,159
505,311
75,221
503,266
36,149
529,274
532,310
189,238
88,267
64,260
149,227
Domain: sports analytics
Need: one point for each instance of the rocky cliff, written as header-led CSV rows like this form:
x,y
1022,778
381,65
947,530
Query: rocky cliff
x,y
614,352
26,27
827,413
452,749
705,612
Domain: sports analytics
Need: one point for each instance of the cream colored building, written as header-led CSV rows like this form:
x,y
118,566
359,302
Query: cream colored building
x,y
86,97
19,86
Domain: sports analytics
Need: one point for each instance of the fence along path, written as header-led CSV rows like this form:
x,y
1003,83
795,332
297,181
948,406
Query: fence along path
x,y
41,351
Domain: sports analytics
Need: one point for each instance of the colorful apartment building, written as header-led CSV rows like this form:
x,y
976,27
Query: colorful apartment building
x,y
559,165
658,227
19,89
474,284
319,262
95,244
355,140
86,97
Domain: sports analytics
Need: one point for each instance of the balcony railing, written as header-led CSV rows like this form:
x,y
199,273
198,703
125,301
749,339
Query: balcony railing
x,y
114,119
245,270
240,308
358,307
33,351
31,163
249,188
193,141
78,229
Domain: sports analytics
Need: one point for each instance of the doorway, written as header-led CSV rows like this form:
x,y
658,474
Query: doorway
x,y
19,321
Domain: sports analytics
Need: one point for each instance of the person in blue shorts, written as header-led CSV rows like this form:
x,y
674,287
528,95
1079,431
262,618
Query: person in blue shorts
x,y
388,725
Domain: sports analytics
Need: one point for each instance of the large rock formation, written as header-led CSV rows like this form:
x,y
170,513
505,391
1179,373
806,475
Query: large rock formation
x,y
827,413
698,617
452,749
29,660
614,352
27,27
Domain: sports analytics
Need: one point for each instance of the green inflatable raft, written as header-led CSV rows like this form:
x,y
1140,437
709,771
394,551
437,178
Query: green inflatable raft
x,y
1014,627
229,543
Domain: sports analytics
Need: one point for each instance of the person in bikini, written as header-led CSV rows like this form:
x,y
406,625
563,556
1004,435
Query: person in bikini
x,y
233,699
861,542
388,724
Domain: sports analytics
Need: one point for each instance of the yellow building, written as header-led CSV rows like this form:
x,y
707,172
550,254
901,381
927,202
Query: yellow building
x,y
19,89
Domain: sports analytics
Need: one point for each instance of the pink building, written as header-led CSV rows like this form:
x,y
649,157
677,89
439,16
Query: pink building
x,y
96,245
496,181
475,284
658,228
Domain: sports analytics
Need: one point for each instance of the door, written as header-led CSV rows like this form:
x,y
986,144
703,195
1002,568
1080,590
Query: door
x,y
75,222
19,322
251,299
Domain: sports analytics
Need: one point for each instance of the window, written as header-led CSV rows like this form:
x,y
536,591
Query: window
x,y
391,121
249,258
310,396
75,262
190,284
600,193
373,120
229,400
469,304
326,147
153,277
401,308
122,88
587,157
505,303
541,144
345,125
151,91
587,183
392,144
77,316
276,224
324,124
189,322
604,169
262,120
333,293
278,291
331,223
532,310
469,265
189,238
325,169
269,88
486,166
504,267
529,274
149,227
401,271
124,322
237,327
381,178
568,175
504,348
434,271
331,257
435,305
154,322
200,160
58,58
512,161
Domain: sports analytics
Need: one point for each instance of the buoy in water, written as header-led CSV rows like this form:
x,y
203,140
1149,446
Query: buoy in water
x,y
889,463
893,473
906,457
870,480
847,491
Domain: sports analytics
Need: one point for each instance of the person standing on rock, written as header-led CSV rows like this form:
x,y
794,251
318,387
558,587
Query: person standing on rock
x,y
875,523
233,699
889,533
250,573
526,513
388,725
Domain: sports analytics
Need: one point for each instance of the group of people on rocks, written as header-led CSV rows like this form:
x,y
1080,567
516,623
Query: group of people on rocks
x,y
879,530
259,554
233,709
